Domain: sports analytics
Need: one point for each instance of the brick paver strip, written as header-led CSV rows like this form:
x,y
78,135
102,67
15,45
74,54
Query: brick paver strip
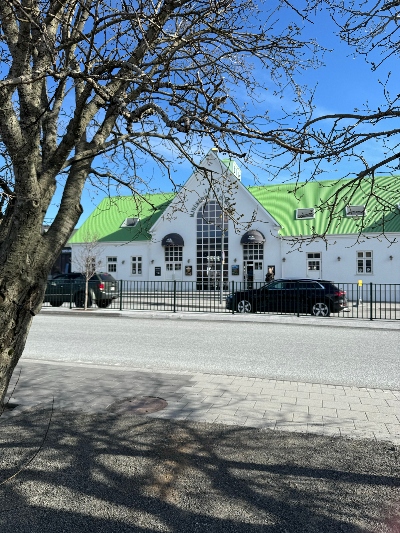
x,y
253,402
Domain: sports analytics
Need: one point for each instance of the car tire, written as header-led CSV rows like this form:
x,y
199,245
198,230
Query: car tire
x,y
320,309
244,306
103,303
56,304
79,300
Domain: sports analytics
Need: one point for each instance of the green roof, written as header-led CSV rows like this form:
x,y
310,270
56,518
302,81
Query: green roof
x,y
104,224
332,196
280,200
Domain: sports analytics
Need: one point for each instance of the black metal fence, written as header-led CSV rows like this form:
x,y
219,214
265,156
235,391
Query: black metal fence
x,y
369,301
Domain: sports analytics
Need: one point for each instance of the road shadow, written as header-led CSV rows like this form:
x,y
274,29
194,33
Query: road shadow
x,y
123,473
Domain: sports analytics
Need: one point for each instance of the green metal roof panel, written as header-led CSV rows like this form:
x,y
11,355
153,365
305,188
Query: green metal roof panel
x,y
382,213
280,200
104,224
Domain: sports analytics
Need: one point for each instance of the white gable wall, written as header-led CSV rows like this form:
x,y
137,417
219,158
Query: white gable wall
x,y
283,253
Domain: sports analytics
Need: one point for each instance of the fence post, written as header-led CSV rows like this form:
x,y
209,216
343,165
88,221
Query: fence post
x,y
297,298
70,294
174,295
233,292
370,300
120,294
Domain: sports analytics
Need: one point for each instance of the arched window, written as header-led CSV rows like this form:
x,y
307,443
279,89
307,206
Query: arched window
x,y
212,246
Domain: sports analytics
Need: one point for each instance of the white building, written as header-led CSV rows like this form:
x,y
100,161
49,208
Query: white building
x,y
184,236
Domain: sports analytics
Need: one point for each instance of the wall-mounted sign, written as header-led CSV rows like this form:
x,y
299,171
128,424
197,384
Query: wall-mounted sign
x,y
157,271
188,270
235,270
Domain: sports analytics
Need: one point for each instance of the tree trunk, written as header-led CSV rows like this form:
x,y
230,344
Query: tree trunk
x,y
19,303
26,258
86,292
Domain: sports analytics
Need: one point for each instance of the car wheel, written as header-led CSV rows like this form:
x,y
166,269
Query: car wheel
x,y
244,306
79,300
103,303
320,309
56,304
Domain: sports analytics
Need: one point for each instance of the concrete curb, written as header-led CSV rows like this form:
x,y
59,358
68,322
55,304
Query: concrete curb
x,y
227,317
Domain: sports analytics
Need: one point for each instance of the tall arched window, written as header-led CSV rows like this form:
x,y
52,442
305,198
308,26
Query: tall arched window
x,y
212,246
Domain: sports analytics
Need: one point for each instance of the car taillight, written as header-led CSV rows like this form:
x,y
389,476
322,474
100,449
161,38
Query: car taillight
x,y
101,286
340,293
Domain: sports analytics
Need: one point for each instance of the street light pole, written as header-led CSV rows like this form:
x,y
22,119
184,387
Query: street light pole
x,y
221,280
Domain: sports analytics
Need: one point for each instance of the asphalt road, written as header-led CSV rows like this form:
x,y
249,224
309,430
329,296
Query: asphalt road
x,y
348,356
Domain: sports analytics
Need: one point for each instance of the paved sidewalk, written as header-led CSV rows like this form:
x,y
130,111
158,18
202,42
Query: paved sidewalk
x,y
233,400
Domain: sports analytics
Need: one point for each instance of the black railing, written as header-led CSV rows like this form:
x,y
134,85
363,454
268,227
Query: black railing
x,y
367,301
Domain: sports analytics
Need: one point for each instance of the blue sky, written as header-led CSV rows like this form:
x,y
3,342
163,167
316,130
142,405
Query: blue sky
x,y
346,82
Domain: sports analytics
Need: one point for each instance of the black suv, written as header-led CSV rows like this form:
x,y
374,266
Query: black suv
x,y
103,289
306,296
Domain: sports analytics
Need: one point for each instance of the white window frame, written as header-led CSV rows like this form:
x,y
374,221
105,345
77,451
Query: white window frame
x,y
253,252
130,222
136,265
362,259
305,213
314,259
356,211
112,264
173,258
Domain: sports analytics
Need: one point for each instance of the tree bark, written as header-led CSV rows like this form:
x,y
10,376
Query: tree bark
x,y
27,255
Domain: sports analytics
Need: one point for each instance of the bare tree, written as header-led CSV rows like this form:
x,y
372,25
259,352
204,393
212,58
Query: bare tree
x,y
366,138
87,260
94,89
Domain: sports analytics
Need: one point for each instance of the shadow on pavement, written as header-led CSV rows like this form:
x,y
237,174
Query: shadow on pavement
x,y
119,473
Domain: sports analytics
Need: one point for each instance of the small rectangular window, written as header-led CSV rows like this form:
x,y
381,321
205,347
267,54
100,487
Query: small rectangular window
x,y
314,261
136,265
130,222
364,262
111,264
355,211
305,213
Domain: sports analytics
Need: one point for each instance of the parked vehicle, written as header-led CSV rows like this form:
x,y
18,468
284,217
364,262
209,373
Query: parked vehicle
x,y
315,297
102,289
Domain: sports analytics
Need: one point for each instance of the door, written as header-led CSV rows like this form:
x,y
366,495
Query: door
x,y
173,271
248,274
279,297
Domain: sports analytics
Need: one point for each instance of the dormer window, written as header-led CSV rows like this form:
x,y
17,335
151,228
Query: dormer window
x,y
130,222
355,211
305,213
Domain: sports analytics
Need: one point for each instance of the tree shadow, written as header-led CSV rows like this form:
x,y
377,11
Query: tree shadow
x,y
127,473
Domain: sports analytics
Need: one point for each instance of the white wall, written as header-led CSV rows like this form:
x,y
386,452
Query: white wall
x,y
384,269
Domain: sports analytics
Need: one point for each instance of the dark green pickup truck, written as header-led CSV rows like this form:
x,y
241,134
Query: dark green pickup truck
x,y
70,288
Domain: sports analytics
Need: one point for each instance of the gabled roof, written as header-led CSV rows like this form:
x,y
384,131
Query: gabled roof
x,y
281,201
382,211
104,224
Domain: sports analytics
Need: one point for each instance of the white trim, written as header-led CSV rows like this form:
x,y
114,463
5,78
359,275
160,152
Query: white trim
x,y
305,213
355,211
130,222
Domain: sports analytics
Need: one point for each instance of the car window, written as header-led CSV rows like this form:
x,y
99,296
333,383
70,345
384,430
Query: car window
x,y
330,286
290,285
103,276
310,285
275,285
